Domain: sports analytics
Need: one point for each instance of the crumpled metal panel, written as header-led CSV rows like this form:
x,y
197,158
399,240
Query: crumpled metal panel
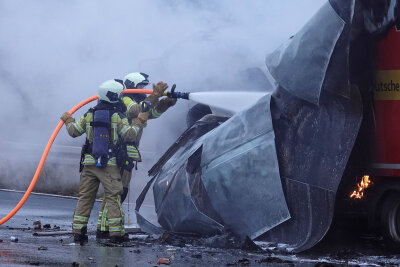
x,y
314,142
177,211
179,152
241,174
310,51
233,165
339,60
313,145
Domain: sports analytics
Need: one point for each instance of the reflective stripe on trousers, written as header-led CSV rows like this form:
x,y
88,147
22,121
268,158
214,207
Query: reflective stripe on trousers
x,y
79,222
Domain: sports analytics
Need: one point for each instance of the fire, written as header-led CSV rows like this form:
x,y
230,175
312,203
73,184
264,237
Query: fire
x,y
359,193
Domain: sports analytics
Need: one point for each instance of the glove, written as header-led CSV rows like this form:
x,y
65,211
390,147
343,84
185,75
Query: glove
x,y
165,104
159,88
67,118
146,105
152,99
142,119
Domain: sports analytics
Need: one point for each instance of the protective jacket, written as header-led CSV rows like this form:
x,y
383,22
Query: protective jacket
x,y
120,129
133,110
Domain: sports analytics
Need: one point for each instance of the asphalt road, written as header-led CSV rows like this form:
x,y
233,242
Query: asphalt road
x,y
340,248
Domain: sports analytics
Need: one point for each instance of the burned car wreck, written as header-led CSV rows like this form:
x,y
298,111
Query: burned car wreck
x,y
272,171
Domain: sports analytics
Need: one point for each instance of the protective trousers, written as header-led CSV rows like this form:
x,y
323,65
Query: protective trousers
x,y
103,221
90,178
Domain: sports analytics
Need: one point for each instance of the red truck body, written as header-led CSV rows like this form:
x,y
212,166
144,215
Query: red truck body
x,y
387,107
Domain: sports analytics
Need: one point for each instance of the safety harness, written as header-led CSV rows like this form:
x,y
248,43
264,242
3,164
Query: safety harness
x,y
105,145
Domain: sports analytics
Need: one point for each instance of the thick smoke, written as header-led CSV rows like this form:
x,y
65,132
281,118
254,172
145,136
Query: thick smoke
x,y
54,54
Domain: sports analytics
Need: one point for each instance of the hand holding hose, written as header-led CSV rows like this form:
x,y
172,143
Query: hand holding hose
x,y
67,118
159,89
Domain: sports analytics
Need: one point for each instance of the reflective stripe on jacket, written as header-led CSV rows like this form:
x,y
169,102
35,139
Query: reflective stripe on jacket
x,y
133,110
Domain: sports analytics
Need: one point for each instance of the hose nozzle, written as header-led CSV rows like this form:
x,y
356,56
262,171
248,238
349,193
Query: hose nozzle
x,y
174,94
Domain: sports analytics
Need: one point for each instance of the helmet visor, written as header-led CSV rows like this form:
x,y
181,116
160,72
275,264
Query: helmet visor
x,y
131,85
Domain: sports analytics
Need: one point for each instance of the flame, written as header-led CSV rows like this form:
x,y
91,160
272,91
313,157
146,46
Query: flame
x,y
359,193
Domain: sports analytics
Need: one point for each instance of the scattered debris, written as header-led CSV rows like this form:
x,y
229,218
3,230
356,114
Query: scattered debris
x,y
274,260
37,225
133,230
226,240
32,263
56,233
90,258
324,264
14,239
42,248
242,262
172,239
139,237
164,261
197,256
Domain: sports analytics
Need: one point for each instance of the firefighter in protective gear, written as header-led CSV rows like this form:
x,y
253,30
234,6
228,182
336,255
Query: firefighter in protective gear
x,y
134,102
108,174
135,115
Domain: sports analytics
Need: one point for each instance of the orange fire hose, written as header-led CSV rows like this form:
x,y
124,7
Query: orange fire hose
x,y
47,149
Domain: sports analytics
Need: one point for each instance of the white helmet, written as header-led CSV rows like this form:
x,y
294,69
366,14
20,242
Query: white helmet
x,y
136,80
110,90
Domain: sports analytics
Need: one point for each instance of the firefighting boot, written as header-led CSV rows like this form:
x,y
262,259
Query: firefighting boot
x,y
102,234
82,237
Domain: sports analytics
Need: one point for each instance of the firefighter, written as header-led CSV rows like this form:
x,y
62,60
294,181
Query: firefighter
x,y
135,103
105,126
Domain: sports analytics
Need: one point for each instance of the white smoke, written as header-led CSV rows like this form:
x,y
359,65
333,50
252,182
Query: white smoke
x,y
54,54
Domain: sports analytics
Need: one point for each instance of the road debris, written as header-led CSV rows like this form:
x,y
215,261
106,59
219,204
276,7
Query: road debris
x,y
274,260
42,248
242,262
133,230
196,256
35,263
37,225
13,239
165,261
52,233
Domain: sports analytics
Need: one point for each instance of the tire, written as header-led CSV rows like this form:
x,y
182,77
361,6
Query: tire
x,y
390,218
